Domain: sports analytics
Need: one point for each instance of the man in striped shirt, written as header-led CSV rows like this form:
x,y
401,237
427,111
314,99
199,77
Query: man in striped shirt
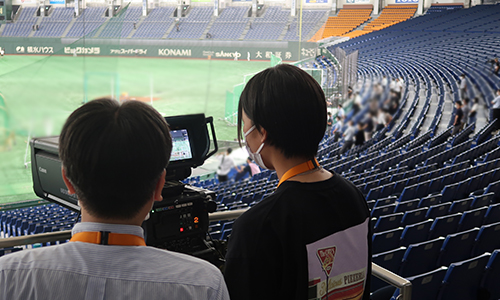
x,y
114,158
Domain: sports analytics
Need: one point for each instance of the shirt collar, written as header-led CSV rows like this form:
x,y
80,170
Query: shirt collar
x,y
116,228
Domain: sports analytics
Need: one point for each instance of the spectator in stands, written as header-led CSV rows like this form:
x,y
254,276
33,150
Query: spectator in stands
x,y
368,126
177,26
37,28
135,27
225,166
496,65
496,109
463,87
107,256
457,121
337,128
340,112
398,88
466,110
349,92
473,111
384,81
329,124
381,120
284,243
356,105
348,137
359,137
250,168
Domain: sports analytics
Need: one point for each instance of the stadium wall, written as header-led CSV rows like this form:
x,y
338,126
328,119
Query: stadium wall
x,y
242,50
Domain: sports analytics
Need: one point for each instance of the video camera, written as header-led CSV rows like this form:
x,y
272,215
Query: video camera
x,y
180,221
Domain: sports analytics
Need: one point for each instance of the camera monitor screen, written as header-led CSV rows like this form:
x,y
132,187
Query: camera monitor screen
x,y
181,149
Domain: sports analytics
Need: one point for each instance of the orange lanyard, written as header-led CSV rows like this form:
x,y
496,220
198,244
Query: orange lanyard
x,y
108,238
299,169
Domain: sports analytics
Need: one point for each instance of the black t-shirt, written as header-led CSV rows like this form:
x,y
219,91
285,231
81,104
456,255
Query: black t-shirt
x,y
360,137
278,249
460,115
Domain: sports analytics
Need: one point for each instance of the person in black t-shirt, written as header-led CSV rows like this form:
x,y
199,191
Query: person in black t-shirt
x,y
302,241
459,114
360,135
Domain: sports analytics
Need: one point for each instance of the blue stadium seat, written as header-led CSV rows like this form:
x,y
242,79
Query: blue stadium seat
x,y
386,240
463,278
492,214
442,226
387,222
385,201
487,239
225,234
390,260
489,282
459,206
413,264
438,210
482,200
457,247
416,233
430,200
414,216
472,218
425,286
407,205
383,210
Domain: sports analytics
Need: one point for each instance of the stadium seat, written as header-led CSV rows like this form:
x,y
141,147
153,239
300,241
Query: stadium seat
x,y
438,210
460,206
425,286
487,239
492,214
472,218
457,247
430,200
387,222
416,233
413,264
414,216
383,210
407,205
390,260
463,278
386,240
442,226
482,200
489,282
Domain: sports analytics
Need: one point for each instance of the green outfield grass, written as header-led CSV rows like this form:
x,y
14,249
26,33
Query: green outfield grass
x,y
41,92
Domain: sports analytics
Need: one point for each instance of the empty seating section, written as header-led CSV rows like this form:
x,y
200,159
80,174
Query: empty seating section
x,y
270,25
390,15
445,7
24,23
230,24
156,24
120,26
348,18
88,22
192,26
310,19
56,23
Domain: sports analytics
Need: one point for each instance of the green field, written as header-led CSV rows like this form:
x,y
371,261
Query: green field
x,y
40,92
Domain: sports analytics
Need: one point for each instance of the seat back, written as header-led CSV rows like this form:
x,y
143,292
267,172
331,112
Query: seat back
x,y
463,278
487,239
425,286
438,210
459,206
386,240
414,216
489,281
415,233
457,247
445,225
421,258
472,218
390,260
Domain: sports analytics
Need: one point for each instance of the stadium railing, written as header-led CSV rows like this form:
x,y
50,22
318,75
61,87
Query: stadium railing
x,y
379,272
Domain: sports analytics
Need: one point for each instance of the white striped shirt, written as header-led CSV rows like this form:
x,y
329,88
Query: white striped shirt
x,y
80,270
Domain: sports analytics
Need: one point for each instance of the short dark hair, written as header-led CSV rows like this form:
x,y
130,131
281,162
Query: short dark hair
x,y
290,105
229,150
458,102
114,155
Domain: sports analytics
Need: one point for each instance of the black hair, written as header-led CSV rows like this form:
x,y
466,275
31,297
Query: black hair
x,y
458,102
114,155
229,150
290,105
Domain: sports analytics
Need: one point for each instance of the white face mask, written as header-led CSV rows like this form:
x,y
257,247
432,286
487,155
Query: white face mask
x,y
255,156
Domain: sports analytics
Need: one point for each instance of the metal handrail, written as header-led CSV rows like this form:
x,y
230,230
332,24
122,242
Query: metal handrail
x,y
379,272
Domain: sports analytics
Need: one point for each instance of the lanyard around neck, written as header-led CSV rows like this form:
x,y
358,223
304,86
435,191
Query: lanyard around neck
x,y
108,238
299,169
